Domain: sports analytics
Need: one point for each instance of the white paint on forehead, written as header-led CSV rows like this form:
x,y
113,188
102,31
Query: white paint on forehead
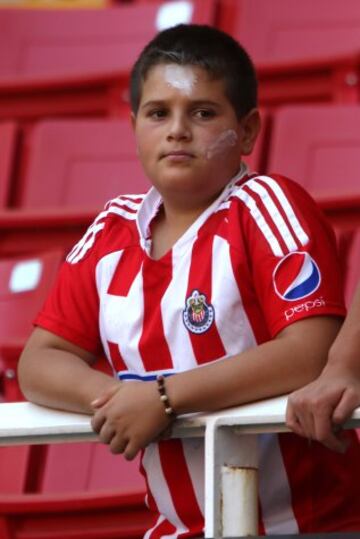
x,y
225,140
182,78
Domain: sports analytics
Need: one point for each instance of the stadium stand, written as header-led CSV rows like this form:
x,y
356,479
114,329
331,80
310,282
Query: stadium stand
x,y
69,169
288,30
76,64
318,145
87,516
79,163
77,61
304,51
24,232
55,4
8,146
24,284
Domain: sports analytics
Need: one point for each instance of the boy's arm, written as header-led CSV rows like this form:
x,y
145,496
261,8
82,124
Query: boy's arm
x,y
54,372
318,410
131,418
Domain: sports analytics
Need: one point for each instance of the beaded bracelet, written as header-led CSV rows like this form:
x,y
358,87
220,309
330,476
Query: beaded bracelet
x,y
163,396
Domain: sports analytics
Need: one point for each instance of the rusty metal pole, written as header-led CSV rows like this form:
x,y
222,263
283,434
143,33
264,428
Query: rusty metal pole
x,y
231,463
239,501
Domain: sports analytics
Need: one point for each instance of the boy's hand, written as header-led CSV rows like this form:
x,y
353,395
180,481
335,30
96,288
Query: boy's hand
x,y
318,410
130,417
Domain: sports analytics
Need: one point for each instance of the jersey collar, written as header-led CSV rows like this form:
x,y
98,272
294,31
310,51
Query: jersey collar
x,y
153,200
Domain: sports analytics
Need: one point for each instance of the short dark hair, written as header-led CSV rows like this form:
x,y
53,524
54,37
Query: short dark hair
x,y
200,45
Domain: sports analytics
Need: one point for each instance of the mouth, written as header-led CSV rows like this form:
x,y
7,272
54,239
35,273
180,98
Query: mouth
x,y
178,155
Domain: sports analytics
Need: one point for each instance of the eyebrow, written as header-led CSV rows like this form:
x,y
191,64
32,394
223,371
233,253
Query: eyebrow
x,y
196,102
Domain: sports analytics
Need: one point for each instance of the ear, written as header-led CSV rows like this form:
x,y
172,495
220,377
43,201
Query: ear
x,y
250,124
133,120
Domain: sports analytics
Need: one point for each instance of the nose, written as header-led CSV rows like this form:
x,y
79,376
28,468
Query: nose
x,y
179,128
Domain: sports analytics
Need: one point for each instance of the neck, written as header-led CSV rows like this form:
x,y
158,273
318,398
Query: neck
x,y
182,215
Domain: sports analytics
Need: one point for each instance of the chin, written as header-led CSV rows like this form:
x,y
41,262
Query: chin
x,y
177,177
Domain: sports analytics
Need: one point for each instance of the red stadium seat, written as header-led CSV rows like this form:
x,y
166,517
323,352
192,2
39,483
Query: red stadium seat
x,y
61,43
80,163
61,62
86,467
24,284
304,51
14,466
8,143
86,516
288,30
24,232
318,146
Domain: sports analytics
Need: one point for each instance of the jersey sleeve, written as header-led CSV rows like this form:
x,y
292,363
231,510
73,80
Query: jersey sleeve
x,y
292,252
71,310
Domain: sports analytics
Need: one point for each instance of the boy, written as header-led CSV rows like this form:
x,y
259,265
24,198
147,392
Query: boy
x,y
318,410
212,268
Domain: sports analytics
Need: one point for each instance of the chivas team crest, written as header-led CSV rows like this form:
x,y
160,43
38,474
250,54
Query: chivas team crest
x,y
198,315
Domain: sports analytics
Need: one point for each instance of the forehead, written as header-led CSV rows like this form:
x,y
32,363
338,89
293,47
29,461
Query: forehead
x,y
164,81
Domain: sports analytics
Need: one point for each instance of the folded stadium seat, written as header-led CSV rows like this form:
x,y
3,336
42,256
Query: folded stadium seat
x,y
79,164
87,516
319,146
85,467
286,30
304,51
8,146
24,284
61,62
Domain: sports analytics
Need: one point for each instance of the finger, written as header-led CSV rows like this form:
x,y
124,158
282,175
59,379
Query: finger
x,y
292,421
307,424
300,417
345,407
118,444
97,422
336,442
131,451
325,433
106,434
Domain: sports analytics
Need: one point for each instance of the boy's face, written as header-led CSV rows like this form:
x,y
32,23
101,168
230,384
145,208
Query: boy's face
x,y
189,138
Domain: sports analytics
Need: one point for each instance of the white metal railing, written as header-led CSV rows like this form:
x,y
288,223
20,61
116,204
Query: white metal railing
x,y
230,451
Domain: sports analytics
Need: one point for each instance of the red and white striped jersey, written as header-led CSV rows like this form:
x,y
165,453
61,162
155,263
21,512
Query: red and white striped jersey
x,y
258,259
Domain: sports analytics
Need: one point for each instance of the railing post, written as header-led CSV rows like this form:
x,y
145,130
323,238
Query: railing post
x,y
231,464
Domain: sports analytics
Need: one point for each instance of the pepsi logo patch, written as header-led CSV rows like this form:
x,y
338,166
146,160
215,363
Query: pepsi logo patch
x,y
198,314
296,276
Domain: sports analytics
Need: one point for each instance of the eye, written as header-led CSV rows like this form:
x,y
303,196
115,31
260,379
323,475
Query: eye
x,y
157,114
204,114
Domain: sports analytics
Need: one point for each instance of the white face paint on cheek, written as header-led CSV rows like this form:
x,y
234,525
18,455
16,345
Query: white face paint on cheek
x,y
226,140
180,77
